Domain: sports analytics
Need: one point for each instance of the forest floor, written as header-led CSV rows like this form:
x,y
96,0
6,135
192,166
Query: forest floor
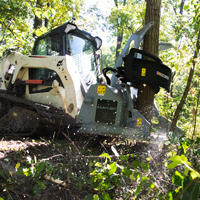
x,y
58,168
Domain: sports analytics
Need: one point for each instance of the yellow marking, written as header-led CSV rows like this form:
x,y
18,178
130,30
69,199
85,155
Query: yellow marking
x,y
14,114
143,72
17,165
101,89
139,122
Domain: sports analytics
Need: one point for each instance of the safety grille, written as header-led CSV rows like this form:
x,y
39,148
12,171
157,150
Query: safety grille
x,y
106,111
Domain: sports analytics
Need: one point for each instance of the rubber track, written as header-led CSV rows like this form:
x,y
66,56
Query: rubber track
x,y
49,118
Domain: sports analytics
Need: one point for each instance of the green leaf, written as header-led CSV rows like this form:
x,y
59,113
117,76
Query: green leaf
x,y
192,192
136,175
26,171
126,171
186,7
170,195
145,166
44,29
194,175
107,184
20,171
177,178
197,140
40,166
90,164
95,197
106,156
38,32
138,190
185,145
106,196
113,168
176,161
98,164
46,14
143,181
176,66
151,185
124,158
89,197
136,164
196,152
173,165
42,185
26,3
186,170
38,13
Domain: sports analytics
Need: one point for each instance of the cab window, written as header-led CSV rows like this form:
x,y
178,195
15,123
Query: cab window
x,y
50,45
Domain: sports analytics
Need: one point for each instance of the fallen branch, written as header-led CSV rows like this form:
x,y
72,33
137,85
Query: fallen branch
x,y
75,146
58,181
52,157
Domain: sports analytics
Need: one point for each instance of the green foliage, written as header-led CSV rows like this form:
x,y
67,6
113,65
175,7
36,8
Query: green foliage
x,y
18,19
125,18
181,29
186,180
35,171
111,175
108,175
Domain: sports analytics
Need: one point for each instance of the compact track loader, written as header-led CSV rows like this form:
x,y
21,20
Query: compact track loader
x,y
61,85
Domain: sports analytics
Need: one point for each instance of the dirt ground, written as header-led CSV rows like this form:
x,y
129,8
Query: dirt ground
x,y
67,160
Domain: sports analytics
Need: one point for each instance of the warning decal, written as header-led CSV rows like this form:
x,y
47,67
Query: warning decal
x,y
162,75
139,122
101,89
143,72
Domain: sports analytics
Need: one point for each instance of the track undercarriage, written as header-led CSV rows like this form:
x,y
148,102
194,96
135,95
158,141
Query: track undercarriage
x,y
23,117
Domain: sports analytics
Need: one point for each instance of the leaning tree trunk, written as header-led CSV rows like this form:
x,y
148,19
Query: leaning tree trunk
x,y
151,45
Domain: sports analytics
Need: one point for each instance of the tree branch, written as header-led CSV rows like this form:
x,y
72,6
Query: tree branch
x,y
181,6
8,26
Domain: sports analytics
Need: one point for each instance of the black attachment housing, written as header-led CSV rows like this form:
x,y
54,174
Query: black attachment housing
x,y
137,71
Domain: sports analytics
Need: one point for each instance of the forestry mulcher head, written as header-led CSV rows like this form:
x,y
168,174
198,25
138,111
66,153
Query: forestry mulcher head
x,y
110,110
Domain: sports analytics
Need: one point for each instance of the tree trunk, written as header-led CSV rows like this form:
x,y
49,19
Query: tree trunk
x,y
151,44
37,20
119,43
120,32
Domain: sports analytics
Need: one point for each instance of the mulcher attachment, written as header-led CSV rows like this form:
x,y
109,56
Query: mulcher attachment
x,y
152,73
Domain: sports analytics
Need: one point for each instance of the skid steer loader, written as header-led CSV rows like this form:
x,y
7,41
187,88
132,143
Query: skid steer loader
x,y
61,85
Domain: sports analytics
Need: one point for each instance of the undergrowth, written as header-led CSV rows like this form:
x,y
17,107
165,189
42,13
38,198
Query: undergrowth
x,y
171,174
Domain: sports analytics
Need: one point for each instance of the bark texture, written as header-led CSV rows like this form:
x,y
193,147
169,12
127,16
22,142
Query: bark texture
x,y
37,20
151,44
120,32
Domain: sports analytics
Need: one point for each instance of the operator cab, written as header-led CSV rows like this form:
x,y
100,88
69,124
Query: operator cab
x,y
69,40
